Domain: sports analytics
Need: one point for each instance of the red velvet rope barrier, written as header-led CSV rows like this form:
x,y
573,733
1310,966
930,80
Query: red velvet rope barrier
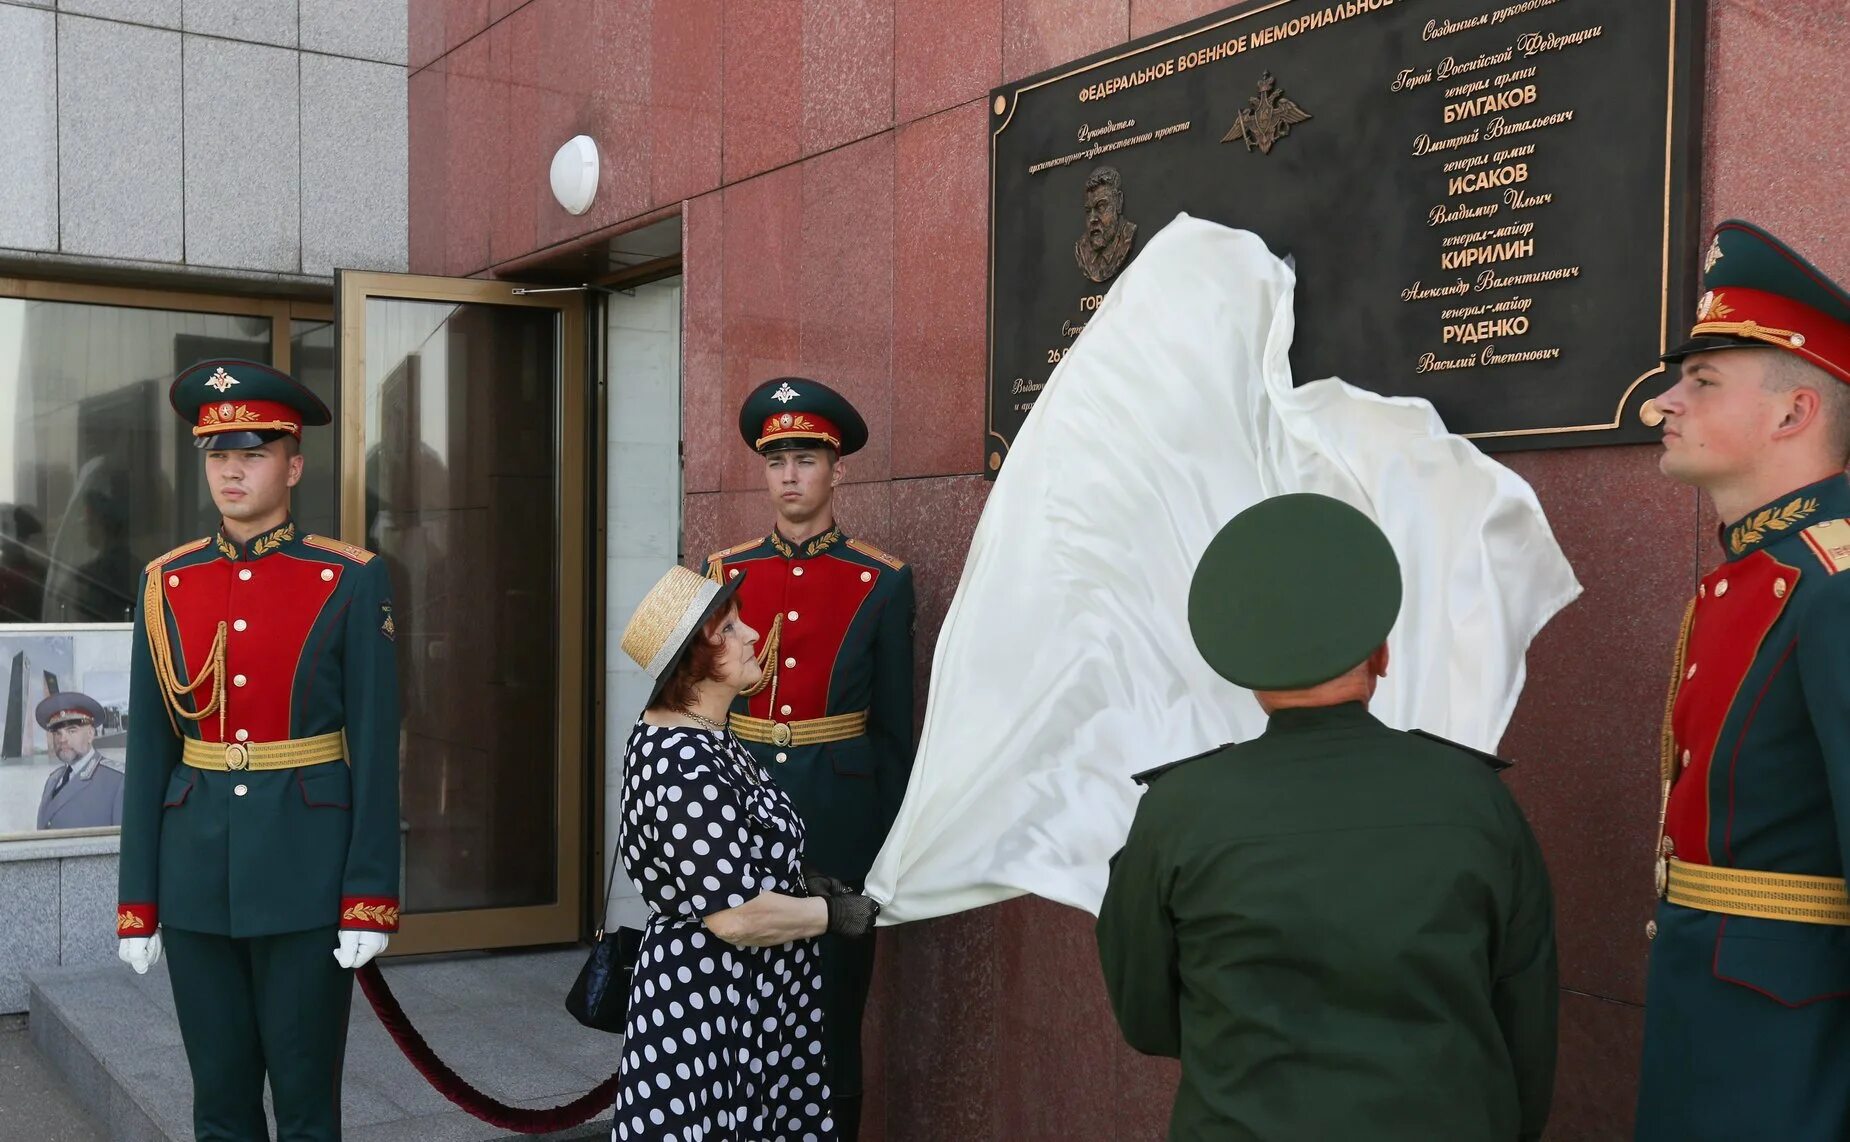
x,y
451,1085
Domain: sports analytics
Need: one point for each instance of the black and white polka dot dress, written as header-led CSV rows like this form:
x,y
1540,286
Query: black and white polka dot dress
x,y
724,1043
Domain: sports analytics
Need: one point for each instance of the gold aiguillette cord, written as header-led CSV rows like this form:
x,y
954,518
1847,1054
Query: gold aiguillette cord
x,y
154,614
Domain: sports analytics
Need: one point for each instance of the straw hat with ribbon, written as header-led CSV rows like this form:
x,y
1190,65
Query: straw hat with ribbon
x,y
669,617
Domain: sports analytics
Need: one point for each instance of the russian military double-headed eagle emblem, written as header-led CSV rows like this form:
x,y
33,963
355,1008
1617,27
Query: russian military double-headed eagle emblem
x,y
1267,118
221,380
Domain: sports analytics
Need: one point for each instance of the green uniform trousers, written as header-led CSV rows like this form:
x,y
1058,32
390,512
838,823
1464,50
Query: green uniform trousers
x,y
847,973
263,1004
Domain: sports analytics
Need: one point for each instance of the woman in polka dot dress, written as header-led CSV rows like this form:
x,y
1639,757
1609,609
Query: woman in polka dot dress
x,y
724,1037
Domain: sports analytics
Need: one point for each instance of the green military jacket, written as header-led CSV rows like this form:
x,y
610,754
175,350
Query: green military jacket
x,y
1747,1008
835,618
284,638
1344,932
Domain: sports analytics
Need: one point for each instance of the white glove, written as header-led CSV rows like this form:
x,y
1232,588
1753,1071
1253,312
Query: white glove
x,y
356,948
140,953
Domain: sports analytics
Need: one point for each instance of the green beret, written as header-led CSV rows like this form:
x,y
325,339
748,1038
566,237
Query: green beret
x,y
1293,592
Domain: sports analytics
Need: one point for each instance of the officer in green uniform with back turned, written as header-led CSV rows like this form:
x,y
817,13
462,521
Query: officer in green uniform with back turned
x,y
260,816
1343,931
1747,1004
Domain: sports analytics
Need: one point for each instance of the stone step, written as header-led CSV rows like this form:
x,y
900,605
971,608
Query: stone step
x,y
497,1018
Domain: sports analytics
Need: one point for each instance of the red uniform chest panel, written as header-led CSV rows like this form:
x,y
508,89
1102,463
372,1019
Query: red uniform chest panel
x,y
1737,606
818,599
268,606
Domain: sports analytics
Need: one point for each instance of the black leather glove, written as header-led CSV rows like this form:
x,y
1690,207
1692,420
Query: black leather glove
x,y
852,915
822,884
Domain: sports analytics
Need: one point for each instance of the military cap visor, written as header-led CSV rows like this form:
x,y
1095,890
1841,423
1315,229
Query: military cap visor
x,y
238,441
1709,344
796,412
1294,591
234,403
68,708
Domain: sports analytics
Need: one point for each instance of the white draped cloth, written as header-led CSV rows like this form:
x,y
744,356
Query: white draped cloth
x,y
1065,664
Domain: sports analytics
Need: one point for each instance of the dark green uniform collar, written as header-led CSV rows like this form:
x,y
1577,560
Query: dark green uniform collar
x,y
1787,516
259,546
1303,718
809,548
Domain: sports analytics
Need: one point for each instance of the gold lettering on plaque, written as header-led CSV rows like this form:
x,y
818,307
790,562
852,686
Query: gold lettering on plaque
x,y
1267,117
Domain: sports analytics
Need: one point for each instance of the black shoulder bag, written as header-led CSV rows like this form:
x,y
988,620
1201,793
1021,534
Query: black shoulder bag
x,y
600,997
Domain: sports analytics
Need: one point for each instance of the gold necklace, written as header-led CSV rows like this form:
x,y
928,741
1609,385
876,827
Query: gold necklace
x,y
719,728
749,772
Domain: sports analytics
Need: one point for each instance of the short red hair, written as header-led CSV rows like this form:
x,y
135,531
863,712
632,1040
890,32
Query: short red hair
x,y
699,664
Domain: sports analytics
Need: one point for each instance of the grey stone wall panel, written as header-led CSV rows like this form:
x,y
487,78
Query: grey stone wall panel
x,y
29,937
28,129
243,185
159,13
361,29
253,21
354,198
87,911
119,179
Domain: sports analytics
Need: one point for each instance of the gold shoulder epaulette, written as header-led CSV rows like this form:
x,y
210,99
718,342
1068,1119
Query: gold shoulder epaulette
x,y
1830,542
868,549
743,547
357,554
716,562
183,549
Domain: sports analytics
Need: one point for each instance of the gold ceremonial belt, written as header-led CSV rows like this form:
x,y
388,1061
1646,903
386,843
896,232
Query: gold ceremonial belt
x,y
1762,895
815,731
292,754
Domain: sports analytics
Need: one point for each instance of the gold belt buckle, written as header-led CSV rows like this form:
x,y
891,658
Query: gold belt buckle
x,y
237,756
780,733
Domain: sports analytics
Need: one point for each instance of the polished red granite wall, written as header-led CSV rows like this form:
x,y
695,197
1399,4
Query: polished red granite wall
x,y
828,160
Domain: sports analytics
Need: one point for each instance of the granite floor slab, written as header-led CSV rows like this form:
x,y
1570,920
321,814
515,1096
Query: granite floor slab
x,y
34,1102
497,1018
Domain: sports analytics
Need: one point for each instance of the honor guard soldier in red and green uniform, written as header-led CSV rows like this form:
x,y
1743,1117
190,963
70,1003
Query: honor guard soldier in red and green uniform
x,y
1747,1006
832,718
260,819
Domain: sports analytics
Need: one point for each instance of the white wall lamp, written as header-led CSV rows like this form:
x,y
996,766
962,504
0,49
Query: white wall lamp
x,y
574,174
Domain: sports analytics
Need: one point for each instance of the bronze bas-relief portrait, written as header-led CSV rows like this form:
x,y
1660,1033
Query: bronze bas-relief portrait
x,y
1106,244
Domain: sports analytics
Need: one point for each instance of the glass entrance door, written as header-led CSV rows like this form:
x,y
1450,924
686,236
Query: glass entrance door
x,y
463,454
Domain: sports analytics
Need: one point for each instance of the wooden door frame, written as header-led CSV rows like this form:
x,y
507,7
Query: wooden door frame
x,y
559,921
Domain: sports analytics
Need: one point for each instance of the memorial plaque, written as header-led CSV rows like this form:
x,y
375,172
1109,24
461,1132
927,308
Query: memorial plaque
x,y
1491,204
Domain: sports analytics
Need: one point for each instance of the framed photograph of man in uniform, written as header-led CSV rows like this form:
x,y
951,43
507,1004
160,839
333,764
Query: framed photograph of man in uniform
x,y
63,727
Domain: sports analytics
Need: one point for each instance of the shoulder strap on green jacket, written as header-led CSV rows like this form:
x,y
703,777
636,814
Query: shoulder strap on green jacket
x,y
1490,759
1150,775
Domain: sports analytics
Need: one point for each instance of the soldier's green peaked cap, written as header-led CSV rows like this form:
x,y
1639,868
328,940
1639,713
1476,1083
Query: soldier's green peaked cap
x,y
233,403
1294,591
1759,293
796,412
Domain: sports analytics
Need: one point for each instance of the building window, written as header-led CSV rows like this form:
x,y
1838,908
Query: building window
x,y
97,477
